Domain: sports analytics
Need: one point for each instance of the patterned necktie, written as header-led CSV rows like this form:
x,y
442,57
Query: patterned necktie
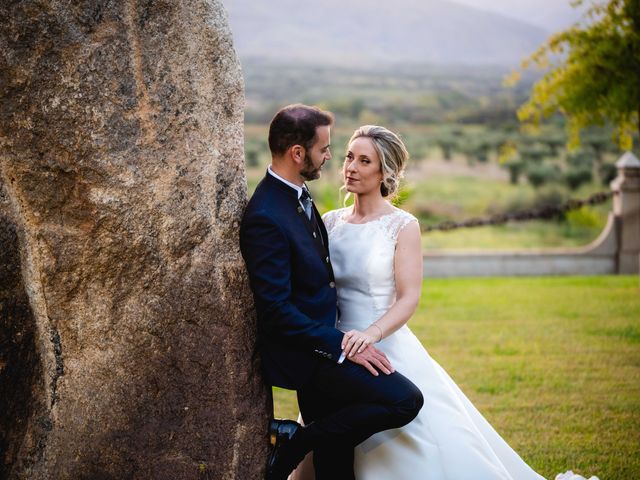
x,y
306,201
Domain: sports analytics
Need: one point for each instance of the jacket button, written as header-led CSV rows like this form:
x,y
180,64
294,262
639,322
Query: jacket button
x,y
314,235
332,284
326,259
299,209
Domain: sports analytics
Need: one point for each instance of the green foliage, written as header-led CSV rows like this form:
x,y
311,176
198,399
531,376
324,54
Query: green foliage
x,y
402,196
581,158
578,176
385,95
540,173
251,157
583,217
515,167
595,79
608,172
550,196
533,152
447,145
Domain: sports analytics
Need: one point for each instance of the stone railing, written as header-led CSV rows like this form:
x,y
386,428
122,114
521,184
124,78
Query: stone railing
x,y
615,251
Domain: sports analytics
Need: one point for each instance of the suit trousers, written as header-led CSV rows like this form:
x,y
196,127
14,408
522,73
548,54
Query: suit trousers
x,y
343,405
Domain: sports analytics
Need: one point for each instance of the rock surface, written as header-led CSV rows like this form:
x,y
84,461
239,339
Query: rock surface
x,y
126,322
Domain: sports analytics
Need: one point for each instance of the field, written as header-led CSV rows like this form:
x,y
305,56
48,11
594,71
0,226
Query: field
x,y
436,190
553,364
469,155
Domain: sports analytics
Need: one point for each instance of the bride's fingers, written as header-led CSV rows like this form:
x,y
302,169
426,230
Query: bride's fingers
x,y
355,346
346,338
349,345
365,344
350,337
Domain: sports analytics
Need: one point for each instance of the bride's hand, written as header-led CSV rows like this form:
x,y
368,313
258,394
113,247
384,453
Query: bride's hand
x,y
355,341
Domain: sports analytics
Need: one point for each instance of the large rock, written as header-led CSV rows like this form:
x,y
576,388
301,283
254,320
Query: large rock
x,y
126,323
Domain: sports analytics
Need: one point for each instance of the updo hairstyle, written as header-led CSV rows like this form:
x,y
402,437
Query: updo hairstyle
x,y
392,153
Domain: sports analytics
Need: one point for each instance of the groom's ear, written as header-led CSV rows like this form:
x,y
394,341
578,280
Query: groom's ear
x,y
296,152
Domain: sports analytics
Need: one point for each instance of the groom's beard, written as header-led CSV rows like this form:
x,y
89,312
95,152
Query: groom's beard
x,y
309,171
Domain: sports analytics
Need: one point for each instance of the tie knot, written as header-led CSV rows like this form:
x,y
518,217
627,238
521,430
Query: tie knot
x,y
305,200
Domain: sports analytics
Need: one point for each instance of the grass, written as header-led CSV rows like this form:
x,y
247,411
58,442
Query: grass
x,y
532,234
553,363
439,198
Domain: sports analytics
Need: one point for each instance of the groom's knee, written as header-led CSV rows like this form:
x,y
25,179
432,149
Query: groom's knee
x,y
409,407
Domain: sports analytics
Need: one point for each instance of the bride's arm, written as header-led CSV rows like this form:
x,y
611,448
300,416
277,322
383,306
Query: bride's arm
x,y
408,277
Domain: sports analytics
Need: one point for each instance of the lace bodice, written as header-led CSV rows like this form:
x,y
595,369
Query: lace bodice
x,y
362,256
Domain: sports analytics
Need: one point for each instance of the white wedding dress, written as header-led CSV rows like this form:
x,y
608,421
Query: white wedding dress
x,y
449,439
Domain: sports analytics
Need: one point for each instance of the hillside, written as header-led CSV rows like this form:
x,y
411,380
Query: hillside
x,y
354,32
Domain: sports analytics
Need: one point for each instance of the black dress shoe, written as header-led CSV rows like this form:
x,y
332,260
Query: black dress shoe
x,y
280,434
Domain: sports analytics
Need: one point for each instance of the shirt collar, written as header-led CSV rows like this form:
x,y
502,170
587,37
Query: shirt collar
x,y
286,182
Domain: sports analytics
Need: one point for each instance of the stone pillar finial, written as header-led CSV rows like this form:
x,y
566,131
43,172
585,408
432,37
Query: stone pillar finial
x,y
626,207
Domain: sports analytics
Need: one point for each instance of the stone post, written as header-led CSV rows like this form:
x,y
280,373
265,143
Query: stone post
x,y
127,330
626,208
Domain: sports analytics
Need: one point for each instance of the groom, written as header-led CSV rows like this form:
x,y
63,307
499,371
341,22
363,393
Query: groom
x,y
285,247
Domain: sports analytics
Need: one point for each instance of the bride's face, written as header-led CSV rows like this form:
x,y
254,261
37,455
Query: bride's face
x,y
362,168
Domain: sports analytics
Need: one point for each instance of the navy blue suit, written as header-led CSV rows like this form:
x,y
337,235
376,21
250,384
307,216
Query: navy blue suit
x,y
293,285
294,290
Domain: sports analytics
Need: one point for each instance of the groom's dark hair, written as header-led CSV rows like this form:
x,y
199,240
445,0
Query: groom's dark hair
x,y
296,125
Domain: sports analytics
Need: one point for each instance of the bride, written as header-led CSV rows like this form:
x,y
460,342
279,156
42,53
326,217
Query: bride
x,y
376,256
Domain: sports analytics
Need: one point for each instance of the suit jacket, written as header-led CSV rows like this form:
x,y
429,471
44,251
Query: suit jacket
x,y
292,283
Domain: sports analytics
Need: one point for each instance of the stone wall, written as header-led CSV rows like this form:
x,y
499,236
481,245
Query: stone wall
x,y
125,304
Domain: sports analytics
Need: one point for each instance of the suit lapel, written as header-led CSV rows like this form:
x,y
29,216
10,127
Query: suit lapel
x,y
325,237
321,244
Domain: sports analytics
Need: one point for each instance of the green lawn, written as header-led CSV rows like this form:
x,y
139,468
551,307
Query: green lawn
x,y
553,363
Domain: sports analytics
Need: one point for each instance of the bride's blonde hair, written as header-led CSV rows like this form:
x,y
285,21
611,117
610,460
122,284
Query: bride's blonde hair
x,y
392,153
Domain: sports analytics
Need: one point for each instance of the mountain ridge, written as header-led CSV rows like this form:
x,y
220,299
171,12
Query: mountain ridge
x,y
352,32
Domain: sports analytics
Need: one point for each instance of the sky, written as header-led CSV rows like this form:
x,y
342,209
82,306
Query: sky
x,y
551,15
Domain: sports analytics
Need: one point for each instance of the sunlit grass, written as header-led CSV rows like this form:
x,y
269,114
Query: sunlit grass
x,y
529,235
553,363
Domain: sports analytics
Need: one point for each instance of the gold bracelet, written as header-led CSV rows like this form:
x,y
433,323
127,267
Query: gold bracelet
x,y
374,324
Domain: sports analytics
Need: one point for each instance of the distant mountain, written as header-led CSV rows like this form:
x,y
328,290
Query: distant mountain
x,y
369,31
550,15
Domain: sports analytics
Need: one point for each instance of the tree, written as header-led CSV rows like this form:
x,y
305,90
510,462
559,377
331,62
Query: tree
x,y
595,78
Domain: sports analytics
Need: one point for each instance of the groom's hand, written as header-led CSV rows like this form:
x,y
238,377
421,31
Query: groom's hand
x,y
371,358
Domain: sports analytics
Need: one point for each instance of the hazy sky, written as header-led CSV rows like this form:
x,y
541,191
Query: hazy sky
x,y
548,14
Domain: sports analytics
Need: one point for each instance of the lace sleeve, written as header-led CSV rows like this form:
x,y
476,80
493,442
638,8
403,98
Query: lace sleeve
x,y
329,219
398,222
